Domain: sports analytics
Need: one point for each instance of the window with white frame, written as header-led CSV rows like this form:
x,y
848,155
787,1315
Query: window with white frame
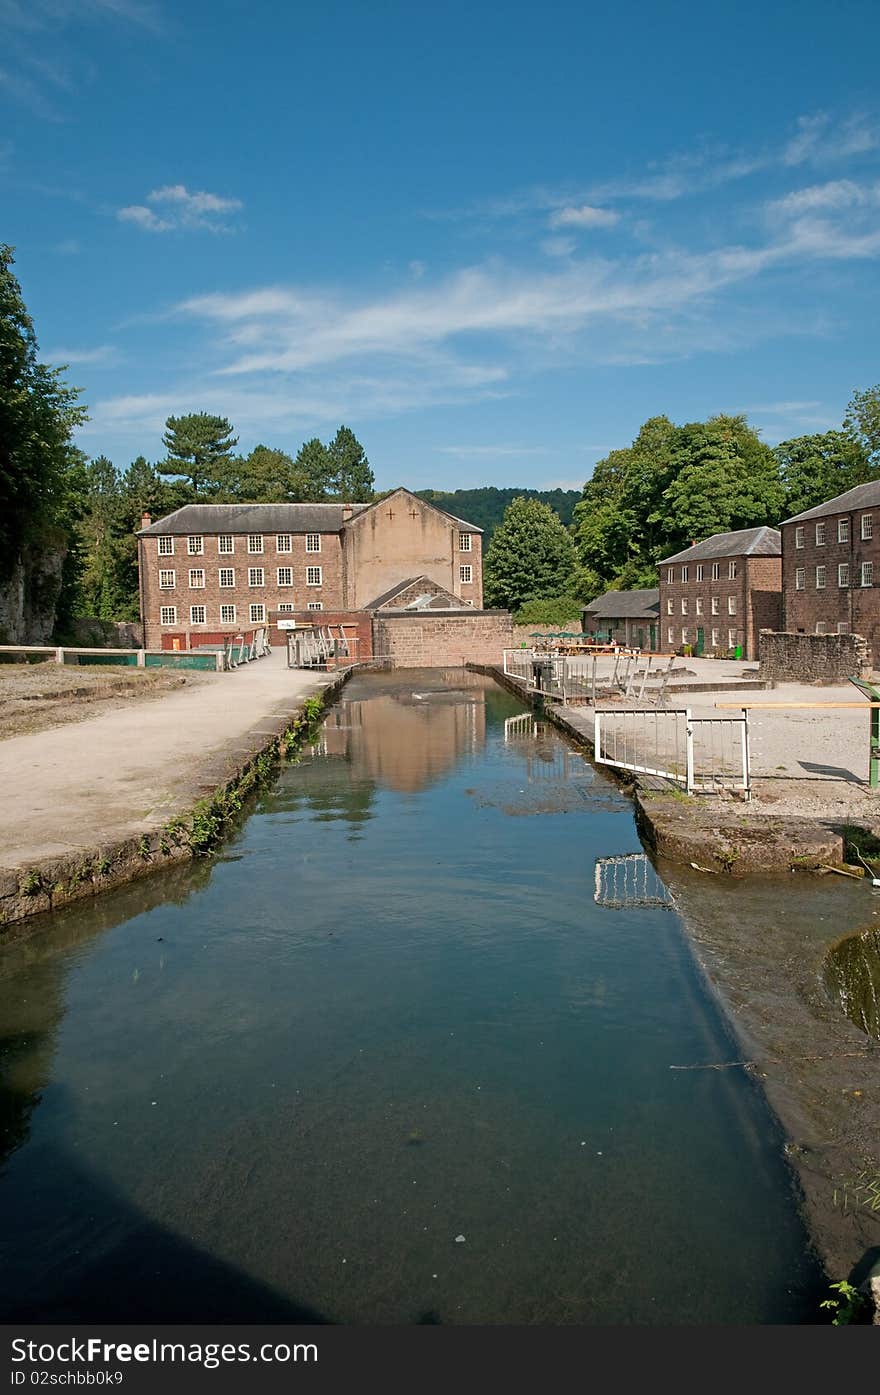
x,y
700,571
315,605
167,580
716,605
166,545
799,536
867,526
225,543
285,608
684,573
314,576
820,627
843,574
168,615
716,571
731,605
820,578
256,576
284,543
466,574
843,530
820,534
670,635
227,576
842,627
197,615
867,573
800,578
716,638
255,542
699,605
684,605
464,542
313,542
685,635
670,575
731,639
227,614
670,606
197,578
731,571
195,545
257,614
285,576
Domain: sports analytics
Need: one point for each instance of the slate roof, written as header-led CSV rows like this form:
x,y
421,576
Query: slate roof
x,y
626,605
252,518
745,542
863,496
424,601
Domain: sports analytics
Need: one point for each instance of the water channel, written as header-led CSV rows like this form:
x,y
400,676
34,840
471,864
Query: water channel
x,y
394,1056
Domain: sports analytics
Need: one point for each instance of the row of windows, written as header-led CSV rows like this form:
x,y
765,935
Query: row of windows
x,y
198,614
195,543
256,577
866,529
700,571
865,574
714,602
715,637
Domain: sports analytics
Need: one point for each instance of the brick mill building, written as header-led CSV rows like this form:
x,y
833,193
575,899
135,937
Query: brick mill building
x,y
716,595
831,567
209,569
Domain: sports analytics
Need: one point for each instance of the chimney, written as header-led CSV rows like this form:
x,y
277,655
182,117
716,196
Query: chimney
x,y
146,520
347,512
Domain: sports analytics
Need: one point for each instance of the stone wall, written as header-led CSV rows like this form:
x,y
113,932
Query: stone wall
x,y
92,633
800,658
438,639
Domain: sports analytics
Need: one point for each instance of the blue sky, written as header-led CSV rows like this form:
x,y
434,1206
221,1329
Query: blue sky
x,y
491,238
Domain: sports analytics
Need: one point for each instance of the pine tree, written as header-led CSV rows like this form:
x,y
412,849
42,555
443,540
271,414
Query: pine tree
x,y
199,449
350,475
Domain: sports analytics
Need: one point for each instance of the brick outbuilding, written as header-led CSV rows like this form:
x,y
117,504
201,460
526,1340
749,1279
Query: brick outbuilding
x,y
831,567
718,594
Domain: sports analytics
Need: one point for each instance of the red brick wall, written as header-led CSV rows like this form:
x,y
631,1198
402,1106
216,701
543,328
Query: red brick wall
x,y
691,591
212,596
764,599
358,623
854,608
426,639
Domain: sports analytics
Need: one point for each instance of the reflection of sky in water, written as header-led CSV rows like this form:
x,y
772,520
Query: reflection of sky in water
x,y
392,1014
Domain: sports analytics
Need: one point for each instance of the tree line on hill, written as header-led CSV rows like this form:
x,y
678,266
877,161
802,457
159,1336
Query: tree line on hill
x,y
67,522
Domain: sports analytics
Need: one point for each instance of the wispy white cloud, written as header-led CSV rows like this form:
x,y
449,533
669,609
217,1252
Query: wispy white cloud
x,y
584,216
103,353
836,194
68,248
180,210
44,71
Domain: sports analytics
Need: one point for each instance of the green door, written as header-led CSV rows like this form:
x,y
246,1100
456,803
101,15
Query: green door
x,y
701,641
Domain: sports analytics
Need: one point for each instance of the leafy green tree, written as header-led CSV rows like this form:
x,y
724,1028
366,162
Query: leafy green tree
x,y
674,484
815,468
862,422
531,556
350,475
266,476
41,471
199,448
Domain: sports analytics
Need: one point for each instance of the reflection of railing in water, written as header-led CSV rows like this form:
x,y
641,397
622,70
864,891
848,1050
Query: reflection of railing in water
x,y
629,880
523,725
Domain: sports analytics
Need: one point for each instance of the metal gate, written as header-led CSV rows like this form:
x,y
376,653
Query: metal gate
x,y
699,754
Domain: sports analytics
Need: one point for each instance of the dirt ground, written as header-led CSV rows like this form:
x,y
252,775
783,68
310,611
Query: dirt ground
x,y
34,697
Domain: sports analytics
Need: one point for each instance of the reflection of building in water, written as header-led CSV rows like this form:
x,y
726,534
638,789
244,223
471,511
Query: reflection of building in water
x,y
405,740
629,880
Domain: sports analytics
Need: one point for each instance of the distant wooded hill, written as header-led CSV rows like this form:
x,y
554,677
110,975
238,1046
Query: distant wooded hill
x,y
485,507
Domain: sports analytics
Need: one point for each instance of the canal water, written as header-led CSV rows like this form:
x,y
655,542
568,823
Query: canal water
x,y
403,1053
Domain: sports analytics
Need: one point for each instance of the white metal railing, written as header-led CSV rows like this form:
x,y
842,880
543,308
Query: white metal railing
x,y
584,678
701,754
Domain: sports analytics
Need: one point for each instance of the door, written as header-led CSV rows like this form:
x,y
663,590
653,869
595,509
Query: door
x,y
701,641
